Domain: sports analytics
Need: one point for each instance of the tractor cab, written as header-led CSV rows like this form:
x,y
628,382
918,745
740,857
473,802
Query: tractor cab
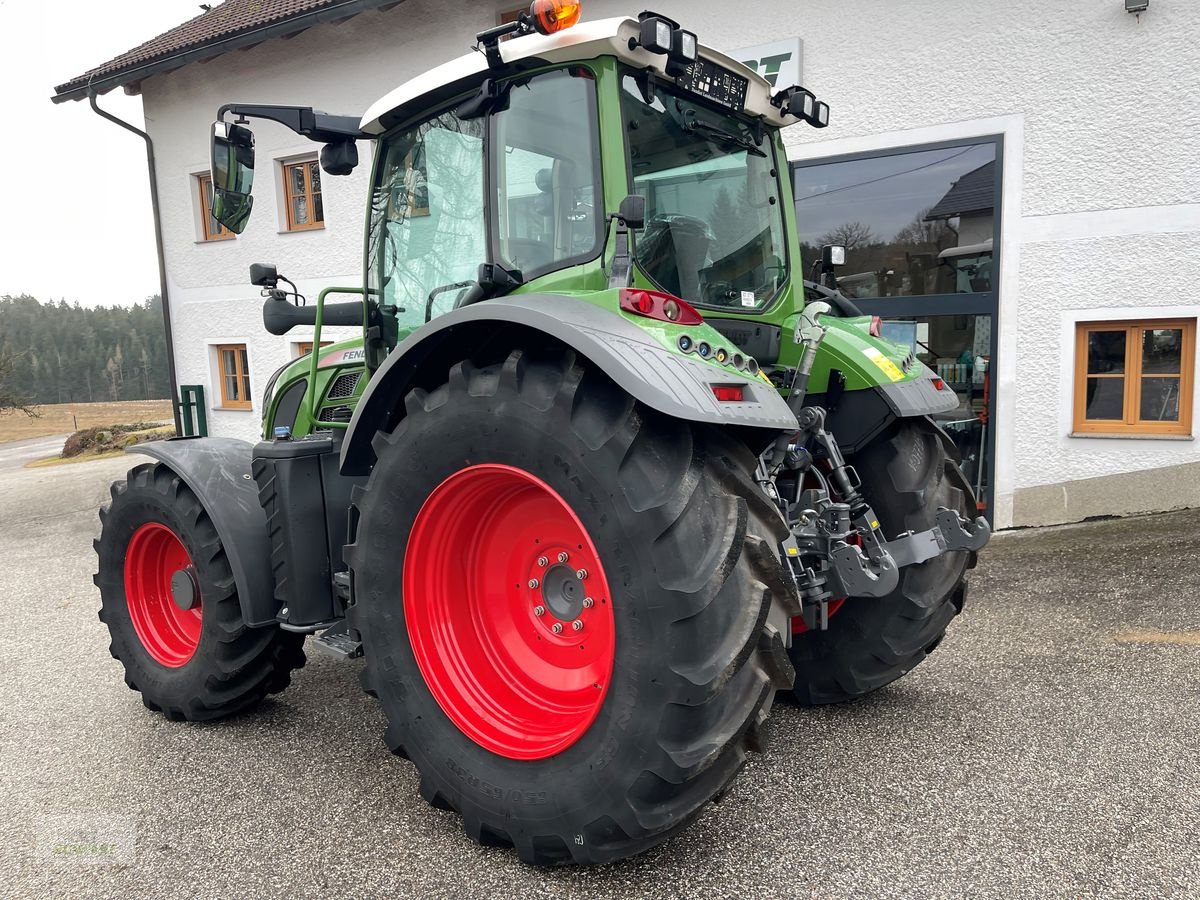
x,y
502,172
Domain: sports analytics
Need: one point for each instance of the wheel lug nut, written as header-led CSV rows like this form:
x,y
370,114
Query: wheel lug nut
x,y
581,574
588,602
533,583
577,625
562,556
539,610
543,562
557,628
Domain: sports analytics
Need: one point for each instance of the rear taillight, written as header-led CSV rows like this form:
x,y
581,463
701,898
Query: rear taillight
x,y
729,393
939,384
657,305
876,326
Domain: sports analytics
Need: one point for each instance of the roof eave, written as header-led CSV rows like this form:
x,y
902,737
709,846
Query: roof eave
x,y
80,90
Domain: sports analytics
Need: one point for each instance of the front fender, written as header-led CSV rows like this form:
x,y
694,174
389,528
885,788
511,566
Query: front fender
x,y
218,472
673,384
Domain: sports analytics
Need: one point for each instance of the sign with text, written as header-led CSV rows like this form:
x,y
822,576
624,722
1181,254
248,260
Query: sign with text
x,y
778,62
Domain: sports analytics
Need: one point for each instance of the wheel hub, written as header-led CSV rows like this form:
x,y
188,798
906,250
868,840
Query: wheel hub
x,y
563,592
185,590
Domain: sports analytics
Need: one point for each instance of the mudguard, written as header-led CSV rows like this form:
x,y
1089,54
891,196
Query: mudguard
x,y
218,472
668,382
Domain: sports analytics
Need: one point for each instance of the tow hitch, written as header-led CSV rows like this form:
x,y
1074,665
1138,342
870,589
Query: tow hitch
x,y
836,549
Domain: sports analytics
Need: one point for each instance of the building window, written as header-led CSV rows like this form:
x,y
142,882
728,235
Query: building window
x,y
303,348
233,367
213,230
1134,377
302,185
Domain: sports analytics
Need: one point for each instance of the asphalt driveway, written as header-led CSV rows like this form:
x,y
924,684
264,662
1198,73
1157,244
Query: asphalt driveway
x,y
1049,748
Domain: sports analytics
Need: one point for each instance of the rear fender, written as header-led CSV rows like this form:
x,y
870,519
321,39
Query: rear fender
x,y
218,472
671,383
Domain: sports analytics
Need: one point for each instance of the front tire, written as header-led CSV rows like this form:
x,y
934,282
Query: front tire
x,y
872,641
573,745
159,553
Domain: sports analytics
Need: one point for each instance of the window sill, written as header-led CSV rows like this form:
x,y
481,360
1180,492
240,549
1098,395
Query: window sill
x,y
248,409
300,230
214,240
1130,436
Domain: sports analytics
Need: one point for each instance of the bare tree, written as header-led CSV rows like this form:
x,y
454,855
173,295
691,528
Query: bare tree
x,y
921,231
851,235
10,399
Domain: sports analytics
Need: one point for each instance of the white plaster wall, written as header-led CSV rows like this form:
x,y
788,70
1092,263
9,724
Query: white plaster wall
x,y
337,68
1101,203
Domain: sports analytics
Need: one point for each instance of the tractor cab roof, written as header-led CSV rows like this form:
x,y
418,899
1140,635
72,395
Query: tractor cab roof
x,y
587,40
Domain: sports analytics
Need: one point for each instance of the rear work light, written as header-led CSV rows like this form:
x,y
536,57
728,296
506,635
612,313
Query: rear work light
x,y
729,393
657,305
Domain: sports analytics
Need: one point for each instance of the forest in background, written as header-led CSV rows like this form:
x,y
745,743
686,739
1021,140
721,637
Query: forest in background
x,y
58,352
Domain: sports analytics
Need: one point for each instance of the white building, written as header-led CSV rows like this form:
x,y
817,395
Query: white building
x,y
1017,180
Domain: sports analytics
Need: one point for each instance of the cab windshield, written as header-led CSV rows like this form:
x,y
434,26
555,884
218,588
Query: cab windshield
x,y
714,224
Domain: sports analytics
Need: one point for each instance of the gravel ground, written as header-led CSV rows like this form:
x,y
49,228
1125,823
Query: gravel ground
x,y
1037,754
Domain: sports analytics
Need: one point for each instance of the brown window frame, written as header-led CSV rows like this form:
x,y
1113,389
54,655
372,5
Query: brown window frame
x,y
1131,424
241,372
204,185
305,165
303,348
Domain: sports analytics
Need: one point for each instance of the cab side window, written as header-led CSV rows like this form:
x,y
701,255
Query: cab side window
x,y
427,234
546,173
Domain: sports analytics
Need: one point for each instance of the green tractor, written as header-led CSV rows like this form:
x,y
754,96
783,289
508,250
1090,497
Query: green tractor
x,y
595,483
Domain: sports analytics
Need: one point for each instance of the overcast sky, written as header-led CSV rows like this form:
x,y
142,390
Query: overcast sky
x,y
76,221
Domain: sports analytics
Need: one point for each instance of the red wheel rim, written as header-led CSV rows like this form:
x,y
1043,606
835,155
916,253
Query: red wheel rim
x,y
493,565
154,557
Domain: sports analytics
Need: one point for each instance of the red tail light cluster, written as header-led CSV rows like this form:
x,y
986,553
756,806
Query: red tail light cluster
x,y
657,305
729,393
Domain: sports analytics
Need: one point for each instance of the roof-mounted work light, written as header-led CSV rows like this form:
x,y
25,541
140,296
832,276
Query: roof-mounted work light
x,y
663,36
803,104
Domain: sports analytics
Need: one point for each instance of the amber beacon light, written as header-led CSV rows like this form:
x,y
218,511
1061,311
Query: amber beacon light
x,y
550,16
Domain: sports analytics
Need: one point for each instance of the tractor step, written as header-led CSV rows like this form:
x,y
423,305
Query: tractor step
x,y
340,642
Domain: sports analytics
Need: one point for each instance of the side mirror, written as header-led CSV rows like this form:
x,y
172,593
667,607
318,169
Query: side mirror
x,y
264,275
832,255
632,211
232,175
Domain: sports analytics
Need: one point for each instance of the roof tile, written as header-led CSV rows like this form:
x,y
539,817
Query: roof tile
x,y
229,18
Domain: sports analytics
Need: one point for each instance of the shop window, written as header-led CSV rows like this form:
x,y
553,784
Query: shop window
x,y
1134,377
213,230
914,223
302,187
233,372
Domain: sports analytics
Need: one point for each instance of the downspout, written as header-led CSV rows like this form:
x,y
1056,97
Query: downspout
x,y
162,262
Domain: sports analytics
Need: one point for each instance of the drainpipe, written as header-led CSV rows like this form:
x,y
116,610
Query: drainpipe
x,y
162,262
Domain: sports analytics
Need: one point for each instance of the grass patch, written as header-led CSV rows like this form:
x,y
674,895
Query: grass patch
x,y
64,418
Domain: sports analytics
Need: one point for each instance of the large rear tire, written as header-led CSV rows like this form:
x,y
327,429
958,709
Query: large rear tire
x,y
577,744
871,642
158,553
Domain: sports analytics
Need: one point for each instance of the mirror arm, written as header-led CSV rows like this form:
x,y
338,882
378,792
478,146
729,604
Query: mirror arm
x,y
304,120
